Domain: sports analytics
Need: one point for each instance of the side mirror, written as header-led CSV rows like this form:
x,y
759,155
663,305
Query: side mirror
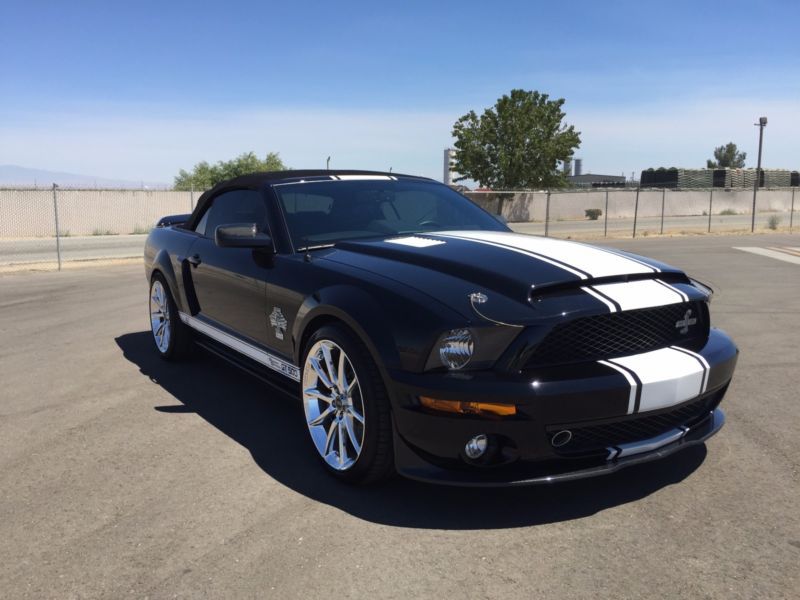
x,y
242,235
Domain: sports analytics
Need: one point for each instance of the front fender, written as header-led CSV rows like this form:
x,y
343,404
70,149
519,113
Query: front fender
x,y
397,330
343,302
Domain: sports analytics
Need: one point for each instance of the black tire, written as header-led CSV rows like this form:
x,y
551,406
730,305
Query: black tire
x,y
375,462
179,343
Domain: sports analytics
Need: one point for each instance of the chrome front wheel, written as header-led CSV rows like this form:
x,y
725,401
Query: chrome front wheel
x,y
160,317
334,405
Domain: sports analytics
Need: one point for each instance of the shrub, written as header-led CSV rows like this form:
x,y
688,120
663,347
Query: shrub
x,y
773,222
139,230
728,212
593,213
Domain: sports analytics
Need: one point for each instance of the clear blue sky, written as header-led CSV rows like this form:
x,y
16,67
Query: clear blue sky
x,y
139,89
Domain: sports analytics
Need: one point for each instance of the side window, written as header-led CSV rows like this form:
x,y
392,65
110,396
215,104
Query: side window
x,y
237,206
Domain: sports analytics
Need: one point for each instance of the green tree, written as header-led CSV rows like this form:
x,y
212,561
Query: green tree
x,y
727,156
516,144
205,176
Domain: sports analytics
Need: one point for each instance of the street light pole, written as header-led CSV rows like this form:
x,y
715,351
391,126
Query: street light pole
x,y
762,122
328,164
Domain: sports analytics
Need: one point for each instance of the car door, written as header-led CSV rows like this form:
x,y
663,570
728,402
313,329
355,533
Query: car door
x,y
229,283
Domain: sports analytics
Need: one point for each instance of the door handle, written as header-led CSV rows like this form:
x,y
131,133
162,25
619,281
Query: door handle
x,y
194,260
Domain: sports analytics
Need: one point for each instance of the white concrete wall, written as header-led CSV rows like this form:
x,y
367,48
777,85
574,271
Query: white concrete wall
x,y
521,207
30,213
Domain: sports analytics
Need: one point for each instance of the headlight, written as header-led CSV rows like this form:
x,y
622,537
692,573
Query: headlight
x,y
456,348
470,348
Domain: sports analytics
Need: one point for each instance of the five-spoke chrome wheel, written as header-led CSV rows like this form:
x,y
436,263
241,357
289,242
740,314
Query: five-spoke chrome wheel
x,y
159,316
333,404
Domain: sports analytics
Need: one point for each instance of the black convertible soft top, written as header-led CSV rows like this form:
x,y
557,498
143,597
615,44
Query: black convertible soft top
x,y
258,180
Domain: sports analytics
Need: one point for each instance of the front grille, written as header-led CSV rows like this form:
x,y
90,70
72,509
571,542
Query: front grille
x,y
590,438
618,334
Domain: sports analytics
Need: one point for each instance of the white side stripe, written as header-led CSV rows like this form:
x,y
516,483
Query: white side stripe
x,y
631,381
591,292
646,293
265,358
668,377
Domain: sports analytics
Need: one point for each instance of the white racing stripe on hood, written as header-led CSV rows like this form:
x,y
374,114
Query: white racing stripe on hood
x,y
595,262
458,235
646,293
668,377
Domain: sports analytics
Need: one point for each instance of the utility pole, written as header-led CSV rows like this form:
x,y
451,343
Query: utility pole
x,y
762,122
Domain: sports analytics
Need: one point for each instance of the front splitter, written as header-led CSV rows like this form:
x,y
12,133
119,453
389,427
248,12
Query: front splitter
x,y
409,464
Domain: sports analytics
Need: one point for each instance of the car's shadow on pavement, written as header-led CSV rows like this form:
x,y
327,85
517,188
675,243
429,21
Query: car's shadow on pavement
x,y
270,425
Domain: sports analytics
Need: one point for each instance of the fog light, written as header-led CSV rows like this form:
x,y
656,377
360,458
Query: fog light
x,y
477,446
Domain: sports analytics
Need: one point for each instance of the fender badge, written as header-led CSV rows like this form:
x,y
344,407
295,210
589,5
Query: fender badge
x,y
278,322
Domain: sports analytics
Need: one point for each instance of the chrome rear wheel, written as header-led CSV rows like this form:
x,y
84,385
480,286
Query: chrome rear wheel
x,y
333,404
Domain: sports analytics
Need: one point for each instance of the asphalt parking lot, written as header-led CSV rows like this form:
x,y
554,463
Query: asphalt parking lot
x,y
121,475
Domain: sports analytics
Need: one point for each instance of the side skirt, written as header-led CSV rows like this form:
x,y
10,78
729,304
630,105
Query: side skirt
x,y
248,356
268,376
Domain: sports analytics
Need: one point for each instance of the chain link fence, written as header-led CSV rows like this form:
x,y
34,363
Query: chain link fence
x,y
56,228
62,228
634,212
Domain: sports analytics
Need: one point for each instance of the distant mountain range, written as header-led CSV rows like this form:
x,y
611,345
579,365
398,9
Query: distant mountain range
x,y
14,175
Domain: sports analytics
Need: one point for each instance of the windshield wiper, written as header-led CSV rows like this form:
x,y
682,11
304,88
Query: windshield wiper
x,y
315,247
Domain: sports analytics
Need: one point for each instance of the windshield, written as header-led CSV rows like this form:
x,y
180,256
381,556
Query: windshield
x,y
324,212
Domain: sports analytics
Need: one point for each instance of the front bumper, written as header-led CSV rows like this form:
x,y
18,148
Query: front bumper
x,y
589,397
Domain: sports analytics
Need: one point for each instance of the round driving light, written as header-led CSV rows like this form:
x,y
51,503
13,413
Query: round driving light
x,y
456,348
476,447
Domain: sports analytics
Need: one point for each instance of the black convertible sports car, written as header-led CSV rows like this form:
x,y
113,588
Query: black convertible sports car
x,y
423,336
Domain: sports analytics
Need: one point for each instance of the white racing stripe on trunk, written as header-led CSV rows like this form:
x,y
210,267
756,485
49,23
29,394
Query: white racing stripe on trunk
x,y
668,377
646,293
594,261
